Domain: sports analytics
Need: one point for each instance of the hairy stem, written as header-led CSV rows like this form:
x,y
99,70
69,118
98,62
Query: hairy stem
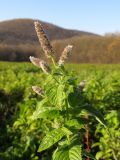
x,y
87,139
53,61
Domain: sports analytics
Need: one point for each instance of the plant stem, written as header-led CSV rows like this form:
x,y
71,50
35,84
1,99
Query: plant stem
x,y
87,139
113,152
66,103
53,61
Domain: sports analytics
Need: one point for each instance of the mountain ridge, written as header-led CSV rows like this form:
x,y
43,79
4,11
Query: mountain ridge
x,y
21,31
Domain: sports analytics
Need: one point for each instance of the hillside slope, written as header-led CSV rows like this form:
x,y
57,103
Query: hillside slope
x,y
21,31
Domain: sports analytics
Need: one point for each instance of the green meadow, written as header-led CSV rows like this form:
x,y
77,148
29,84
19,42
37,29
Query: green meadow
x,y
102,89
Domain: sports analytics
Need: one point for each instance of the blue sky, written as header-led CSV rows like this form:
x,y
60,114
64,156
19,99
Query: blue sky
x,y
98,16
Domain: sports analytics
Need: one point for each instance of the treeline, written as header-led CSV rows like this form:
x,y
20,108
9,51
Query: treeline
x,y
104,49
18,53
86,49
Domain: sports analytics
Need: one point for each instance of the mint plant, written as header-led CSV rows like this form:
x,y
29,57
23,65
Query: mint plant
x,y
63,107
53,127
109,146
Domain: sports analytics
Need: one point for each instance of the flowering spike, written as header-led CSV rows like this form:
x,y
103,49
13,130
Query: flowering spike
x,y
82,85
45,67
65,54
35,61
41,64
37,90
45,43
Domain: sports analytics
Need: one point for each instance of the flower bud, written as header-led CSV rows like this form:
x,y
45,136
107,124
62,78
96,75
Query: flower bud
x,y
45,67
35,61
37,90
65,55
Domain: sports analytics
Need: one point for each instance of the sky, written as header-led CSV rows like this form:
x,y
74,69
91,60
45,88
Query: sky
x,y
97,16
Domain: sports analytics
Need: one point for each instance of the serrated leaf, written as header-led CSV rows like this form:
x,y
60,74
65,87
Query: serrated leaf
x,y
75,123
51,138
75,153
61,154
57,91
56,94
68,153
66,131
45,112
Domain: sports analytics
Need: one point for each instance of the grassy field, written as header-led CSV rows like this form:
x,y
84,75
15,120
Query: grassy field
x,y
23,74
102,90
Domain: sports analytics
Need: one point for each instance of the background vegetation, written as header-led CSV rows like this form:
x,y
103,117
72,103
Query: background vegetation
x,y
18,41
104,49
102,91
32,129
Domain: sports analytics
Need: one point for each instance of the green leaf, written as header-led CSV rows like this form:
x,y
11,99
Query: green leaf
x,y
95,113
68,153
76,123
57,90
51,138
61,154
38,108
75,153
99,155
45,112
87,154
66,131
56,94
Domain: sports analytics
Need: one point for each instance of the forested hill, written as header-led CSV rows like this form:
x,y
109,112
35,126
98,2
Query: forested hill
x,y
21,31
18,41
